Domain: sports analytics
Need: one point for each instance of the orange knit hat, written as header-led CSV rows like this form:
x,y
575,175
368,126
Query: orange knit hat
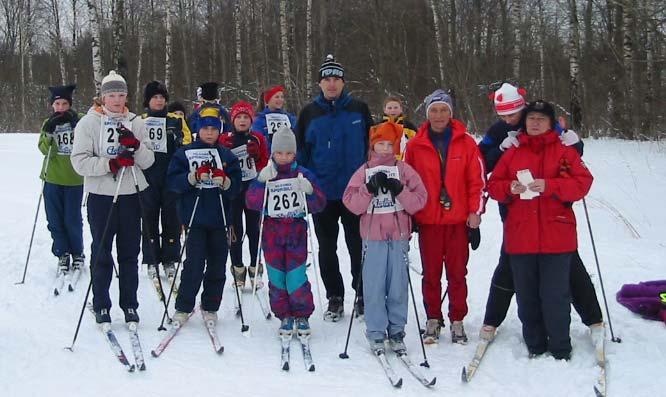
x,y
387,131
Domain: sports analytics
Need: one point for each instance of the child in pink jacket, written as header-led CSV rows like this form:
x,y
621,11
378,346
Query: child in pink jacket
x,y
385,192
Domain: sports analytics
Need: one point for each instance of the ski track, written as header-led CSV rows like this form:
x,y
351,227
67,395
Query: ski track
x,y
36,326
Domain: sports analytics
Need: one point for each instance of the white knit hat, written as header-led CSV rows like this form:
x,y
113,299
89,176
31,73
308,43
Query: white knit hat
x,y
284,140
509,99
113,82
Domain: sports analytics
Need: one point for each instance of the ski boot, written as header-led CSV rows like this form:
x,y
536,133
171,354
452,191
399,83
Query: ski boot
x,y
78,261
102,316
209,317
433,329
252,270
397,343
131,316
302,327
239,273
151,270
179,318
377,346
170,270
359,307
336,309
487,333
598,335
63,264
286,327
458,334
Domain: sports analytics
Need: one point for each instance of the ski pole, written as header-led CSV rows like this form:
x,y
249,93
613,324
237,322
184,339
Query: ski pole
x,y
39,203
261,234
405,256
344,354
444,296
95,260
314,257
180,256
244,327
146,228
601,280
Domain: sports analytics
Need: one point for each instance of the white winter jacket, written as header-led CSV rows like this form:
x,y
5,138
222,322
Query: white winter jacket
x,y
97,142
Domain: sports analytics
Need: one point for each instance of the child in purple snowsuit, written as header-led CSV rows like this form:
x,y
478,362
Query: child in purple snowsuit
x,y
647,298
284,241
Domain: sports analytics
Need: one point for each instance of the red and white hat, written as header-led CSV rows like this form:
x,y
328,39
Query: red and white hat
x,y
508,99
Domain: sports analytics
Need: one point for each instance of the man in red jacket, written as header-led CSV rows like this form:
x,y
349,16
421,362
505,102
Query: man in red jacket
x,y
451,167
538,181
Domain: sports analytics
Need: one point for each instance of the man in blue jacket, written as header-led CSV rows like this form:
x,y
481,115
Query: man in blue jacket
x,y
332,135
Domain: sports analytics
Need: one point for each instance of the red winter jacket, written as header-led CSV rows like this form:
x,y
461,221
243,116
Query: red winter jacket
x,y
240,139
465,175
545,224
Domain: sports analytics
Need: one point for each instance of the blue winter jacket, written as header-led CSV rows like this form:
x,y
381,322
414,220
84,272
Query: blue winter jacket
x,y
332,138
259,124
208,212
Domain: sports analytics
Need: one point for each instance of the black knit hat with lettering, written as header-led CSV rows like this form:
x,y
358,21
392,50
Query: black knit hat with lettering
x,y
330,68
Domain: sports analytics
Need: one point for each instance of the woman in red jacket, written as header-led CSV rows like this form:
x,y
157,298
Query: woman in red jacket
x,y
539,181
451,167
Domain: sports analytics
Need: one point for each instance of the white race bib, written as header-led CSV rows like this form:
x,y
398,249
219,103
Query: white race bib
x,y
108,136
156,130
285,200
248,170
64,136
195,157
275,121
383,202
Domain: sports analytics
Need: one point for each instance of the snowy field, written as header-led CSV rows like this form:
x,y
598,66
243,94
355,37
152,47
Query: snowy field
x,y
628,218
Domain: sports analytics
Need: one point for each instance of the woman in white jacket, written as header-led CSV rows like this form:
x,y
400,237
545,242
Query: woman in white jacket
x,y
109,138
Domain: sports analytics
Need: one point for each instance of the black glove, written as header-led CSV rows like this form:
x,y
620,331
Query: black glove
x,y
474,237
376,182
394,186
56,119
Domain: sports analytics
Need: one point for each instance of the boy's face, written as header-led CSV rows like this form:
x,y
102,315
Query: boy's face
x,y
157,102
180,113
383,147
512,119
242,122
393,109
115,101
282,158
61,105
209,134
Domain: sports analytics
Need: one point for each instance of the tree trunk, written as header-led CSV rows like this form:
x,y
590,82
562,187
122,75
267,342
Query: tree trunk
x,y
284,45
119,38
438,40
574,67
169,44
628,63
516,12
75,32
58,41
542,51
239,44
137,91
95,45
308,50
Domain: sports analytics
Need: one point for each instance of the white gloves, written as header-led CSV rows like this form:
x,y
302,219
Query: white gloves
x,y
509,141
569,137
304,185
269,172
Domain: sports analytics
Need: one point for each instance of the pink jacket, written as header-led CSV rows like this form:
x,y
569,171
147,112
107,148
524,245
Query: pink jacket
x,y
383,226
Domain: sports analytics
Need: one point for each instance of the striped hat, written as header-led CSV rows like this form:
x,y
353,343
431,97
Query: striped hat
x,y
113,82
509,99
330,68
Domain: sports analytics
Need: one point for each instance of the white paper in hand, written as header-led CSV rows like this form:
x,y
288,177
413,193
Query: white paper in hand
x,y
525,178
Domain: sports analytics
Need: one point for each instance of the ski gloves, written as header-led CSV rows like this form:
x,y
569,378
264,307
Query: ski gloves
x,y
59,118
509,141
128,145
381,181
206,172
269,172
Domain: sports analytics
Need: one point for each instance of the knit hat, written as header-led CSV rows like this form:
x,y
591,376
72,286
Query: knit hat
x,y
508,99
543,107
154,88
439,96
284,140
272,91
242,107
62,92
208,91
113,82
330,68
176,107
210,121
387,131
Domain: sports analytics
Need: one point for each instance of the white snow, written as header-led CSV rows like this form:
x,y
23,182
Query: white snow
x,y
627,217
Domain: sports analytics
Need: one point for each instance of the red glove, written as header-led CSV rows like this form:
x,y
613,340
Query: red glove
x,y
220,178
226,140
203,172
253,149
126,138
124,159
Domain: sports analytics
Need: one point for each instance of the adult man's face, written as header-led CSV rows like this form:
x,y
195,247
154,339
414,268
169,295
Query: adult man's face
x,y
331,87
439,115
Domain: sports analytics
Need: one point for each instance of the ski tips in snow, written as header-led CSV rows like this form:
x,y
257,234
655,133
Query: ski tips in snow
x,y
463,376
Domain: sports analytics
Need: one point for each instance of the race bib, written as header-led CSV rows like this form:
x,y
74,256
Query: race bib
x,y
196,157
108,136
64,136
383,202
275,121
248,170
156,130
285,200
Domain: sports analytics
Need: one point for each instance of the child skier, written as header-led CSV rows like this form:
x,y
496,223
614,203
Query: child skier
x,y
63,187
210,172
252,153
393,111
284,240
385,192
271,116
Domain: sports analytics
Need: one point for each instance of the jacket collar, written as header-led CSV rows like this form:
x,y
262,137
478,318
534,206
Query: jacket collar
x,y
377,159
330,106
458,130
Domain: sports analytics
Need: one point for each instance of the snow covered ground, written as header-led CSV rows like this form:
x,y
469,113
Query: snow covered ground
x,y
628,221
